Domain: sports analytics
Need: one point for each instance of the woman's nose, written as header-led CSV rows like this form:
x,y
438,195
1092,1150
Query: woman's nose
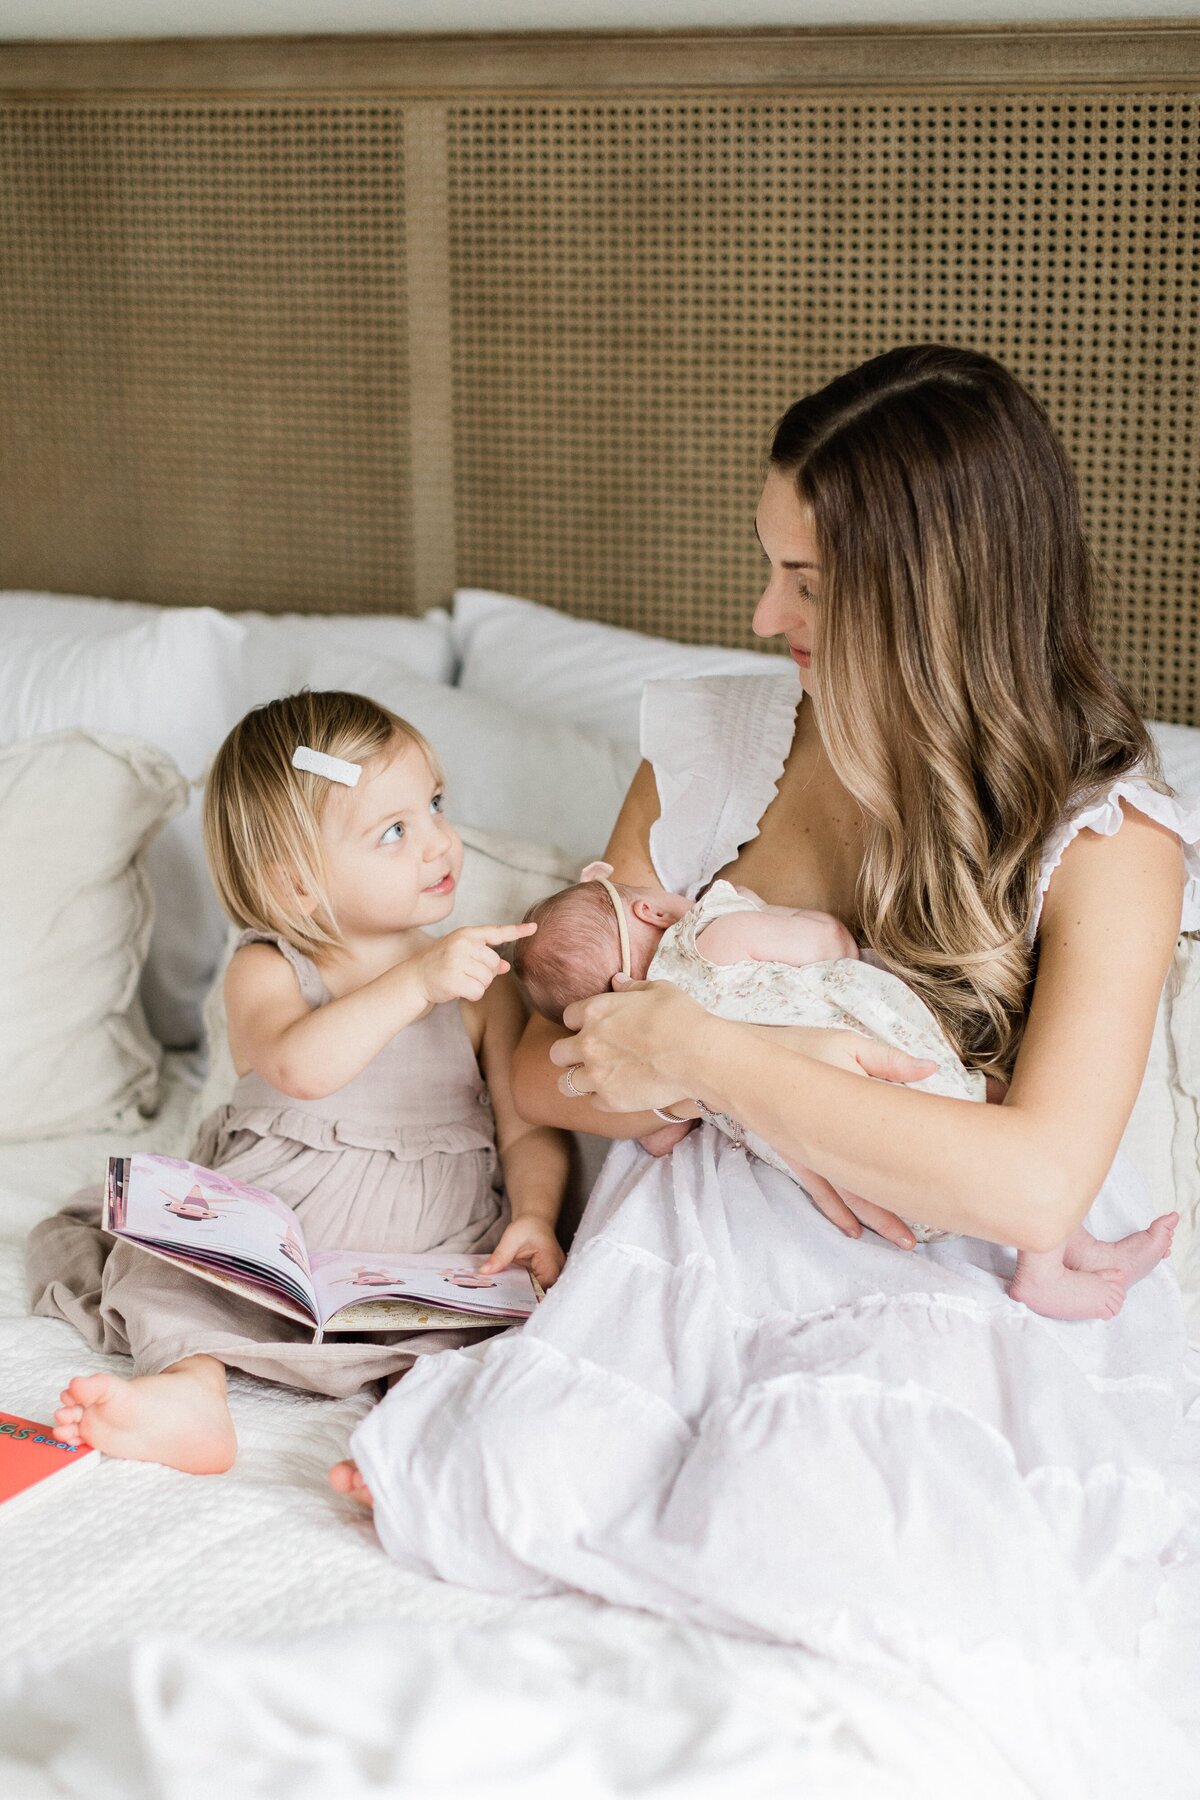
x,y
776,611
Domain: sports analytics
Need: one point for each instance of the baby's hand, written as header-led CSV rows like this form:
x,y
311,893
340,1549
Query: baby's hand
x,y
664,1140
531,1243
463,965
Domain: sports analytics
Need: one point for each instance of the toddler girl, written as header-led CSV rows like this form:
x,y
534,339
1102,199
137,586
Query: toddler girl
x,y
362,1045
773,965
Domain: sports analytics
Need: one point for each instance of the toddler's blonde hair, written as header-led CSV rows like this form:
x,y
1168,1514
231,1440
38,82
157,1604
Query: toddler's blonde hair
x,y
262,817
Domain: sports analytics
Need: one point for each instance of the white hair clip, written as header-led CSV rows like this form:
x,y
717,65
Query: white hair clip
x,y
333,768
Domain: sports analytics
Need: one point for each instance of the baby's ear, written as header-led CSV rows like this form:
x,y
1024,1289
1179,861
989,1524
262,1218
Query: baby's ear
x,y
651,913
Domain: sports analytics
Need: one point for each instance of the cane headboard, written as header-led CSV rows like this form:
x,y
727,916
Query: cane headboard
x,y
342,323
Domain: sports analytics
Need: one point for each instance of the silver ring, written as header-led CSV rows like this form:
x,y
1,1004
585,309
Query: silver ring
x,y
571,1088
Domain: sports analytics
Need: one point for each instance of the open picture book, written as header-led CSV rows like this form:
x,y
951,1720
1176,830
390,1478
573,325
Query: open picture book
x,y
249,1241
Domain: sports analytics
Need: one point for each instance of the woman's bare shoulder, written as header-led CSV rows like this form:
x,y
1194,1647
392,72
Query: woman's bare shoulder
x,y
1131,879
628,848
1108,931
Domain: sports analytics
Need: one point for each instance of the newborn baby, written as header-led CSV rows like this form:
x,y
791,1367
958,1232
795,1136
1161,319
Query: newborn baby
x,y
775,965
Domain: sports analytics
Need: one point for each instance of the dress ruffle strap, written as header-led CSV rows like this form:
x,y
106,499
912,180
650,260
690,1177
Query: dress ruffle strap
x,y
1180,814
313,991
718,745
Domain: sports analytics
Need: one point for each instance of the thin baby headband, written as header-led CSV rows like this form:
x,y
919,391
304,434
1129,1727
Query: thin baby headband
x,y
333,768
600,871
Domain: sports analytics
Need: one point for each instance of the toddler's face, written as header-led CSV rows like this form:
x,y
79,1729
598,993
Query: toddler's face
x,y
392,859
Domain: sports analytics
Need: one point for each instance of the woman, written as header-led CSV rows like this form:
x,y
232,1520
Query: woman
x,y
725,1412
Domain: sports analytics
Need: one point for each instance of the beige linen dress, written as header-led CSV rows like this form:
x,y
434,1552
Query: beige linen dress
x,y
401,1158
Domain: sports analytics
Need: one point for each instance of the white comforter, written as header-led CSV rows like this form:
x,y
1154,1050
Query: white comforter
x,y
176,1636
727,1414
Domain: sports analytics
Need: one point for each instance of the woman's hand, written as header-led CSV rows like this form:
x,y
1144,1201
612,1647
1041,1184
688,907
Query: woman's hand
x,y
627,1044
883,1062
850,1212
625,1050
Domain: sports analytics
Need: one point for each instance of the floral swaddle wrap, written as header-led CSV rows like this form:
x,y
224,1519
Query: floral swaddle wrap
x,y
845,995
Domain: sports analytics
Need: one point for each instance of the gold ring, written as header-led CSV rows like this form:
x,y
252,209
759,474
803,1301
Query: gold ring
x,y
571,1088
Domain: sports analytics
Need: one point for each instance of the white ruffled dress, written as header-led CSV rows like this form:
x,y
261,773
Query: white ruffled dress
x,y
728,1413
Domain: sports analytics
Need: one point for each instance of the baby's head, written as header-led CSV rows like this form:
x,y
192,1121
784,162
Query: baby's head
x,y
576,949
318,857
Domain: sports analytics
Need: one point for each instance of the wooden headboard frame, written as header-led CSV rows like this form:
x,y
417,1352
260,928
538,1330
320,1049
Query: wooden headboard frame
x,y
347,322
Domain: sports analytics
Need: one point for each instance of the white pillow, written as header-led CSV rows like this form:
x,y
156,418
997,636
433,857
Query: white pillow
x,y
535,778
588,674
77,811
1179,748
274,643
502,877
180,677
171,677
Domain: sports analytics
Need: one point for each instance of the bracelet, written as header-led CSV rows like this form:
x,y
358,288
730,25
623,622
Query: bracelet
x,y
670,1117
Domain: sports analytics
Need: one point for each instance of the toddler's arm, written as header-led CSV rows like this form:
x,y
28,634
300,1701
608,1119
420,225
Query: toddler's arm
x,y
309,1054
535,1158
783,934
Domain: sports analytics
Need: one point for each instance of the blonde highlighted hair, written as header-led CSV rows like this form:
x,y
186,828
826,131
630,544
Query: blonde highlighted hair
x,y
262,817
962,700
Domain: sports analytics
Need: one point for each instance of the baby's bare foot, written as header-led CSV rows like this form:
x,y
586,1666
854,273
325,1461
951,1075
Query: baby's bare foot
x,y
345,1478
1132,1256
1064,1293
178,1418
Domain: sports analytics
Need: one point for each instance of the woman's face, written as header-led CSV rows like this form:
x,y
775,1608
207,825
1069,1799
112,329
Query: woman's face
x,y
789,603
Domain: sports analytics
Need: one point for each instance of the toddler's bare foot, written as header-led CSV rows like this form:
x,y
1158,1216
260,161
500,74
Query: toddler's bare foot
x,y
179,1418
345,1478
1061,1293
1132,1256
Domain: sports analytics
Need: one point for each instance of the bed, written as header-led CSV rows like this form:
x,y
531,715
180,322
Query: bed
x,y
285,475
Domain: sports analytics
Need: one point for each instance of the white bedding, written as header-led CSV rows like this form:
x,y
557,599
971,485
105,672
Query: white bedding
x,y
350,1676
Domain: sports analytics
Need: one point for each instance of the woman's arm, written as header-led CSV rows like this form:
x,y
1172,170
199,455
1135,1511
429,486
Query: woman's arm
x,y
534,1157
1023,1173
535,1079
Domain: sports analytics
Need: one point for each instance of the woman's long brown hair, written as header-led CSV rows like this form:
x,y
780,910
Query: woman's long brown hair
x,y
962,699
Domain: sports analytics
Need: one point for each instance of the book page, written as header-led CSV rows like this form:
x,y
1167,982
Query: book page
x,y
445,1279
201,1217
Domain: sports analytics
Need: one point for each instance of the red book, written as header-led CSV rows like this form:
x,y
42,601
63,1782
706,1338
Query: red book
x,y
31,1455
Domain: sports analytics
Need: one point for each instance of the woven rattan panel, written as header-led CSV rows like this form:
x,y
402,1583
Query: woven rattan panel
x,y
203,371
639,287
341,349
